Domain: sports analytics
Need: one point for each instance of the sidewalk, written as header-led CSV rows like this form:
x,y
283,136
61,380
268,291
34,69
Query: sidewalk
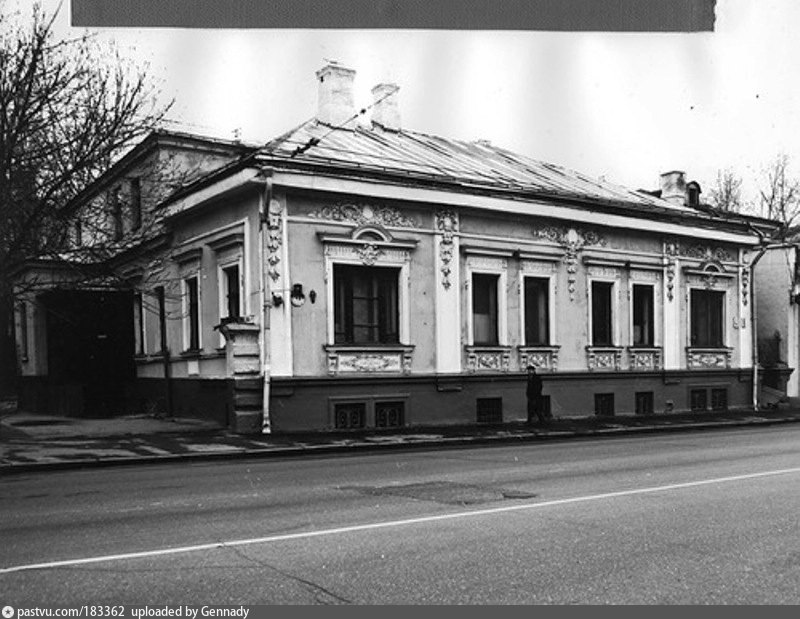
x,y
32,442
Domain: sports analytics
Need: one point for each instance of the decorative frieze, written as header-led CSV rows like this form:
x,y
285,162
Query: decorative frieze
x,y
492,263
708,358
573,240
447,225
608,358
644,359
537,266
705,253
604,272
367,253
543,358
364,214
645,276
348,360
492,359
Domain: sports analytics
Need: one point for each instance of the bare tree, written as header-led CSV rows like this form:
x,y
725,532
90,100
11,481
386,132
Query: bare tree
x,y
780,193
726,195
67,110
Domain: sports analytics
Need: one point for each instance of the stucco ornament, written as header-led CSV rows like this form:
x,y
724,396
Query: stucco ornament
x,y
369,253
745,283
364,214
703,359
644,359
274,238
573,240
603,359
671,251
496,361
447,224
706,253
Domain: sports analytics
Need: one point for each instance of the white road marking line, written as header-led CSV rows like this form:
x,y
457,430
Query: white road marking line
x,y
392,523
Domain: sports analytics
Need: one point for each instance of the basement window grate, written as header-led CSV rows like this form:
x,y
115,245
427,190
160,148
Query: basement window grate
x,y
644,402
698,400
350,415
389,414
489,410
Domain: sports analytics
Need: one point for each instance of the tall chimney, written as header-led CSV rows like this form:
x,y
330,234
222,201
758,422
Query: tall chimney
x,y
335,93
673,187
385,111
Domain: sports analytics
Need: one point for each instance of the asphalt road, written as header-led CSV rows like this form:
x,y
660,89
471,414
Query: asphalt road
x,y
706,517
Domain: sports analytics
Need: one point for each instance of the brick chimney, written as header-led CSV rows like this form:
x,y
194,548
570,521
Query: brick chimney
x,y
673,187
385,111
335,104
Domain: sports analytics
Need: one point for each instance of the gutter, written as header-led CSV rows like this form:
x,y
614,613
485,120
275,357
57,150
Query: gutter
x,y
264,199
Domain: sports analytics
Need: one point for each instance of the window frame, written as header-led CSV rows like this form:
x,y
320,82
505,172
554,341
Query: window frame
x,y
550,308
654,343
223,289
397,259
375,278
23,334
140,329
723,331
135,201
502,304
187,317
614,310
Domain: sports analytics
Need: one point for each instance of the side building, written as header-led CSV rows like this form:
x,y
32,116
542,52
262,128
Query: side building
x,y
353,275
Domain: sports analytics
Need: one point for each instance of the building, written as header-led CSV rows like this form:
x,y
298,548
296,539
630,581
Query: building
x,y
353,274
777,290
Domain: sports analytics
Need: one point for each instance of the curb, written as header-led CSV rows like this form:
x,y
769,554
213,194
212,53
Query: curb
x,y
291,451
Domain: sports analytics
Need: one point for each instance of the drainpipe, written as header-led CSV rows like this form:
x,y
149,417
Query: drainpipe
x,y
264,199
753,321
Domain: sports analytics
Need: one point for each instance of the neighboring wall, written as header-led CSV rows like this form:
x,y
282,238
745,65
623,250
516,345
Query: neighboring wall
x,y
777,316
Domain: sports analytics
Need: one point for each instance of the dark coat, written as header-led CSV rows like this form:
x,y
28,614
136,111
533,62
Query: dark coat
x,y
534,389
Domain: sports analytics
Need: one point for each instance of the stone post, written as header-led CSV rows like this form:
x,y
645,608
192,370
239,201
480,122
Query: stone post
x,y
244,368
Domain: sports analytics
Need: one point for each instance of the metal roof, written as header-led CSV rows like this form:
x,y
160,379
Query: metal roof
x,y
418,157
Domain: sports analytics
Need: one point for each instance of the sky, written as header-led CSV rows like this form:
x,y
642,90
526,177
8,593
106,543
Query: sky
x,y
623,106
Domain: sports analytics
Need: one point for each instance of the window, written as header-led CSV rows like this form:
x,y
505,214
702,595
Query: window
x,y
707,318
138,323
23,330
192,313
484,309
162,318
365,305
136,203
78,233
642,315
602,325
231,290
115,206
537,311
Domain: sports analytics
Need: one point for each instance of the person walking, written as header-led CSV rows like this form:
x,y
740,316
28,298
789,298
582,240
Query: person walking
x,y
534,393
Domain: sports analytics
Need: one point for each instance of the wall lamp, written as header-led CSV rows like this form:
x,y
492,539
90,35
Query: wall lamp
x,y
297,296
